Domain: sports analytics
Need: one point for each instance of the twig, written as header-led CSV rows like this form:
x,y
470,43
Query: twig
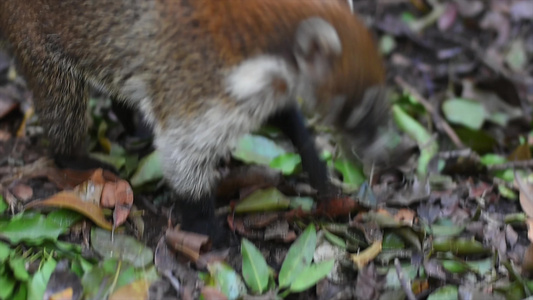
x,y
406,286
439,121
519,164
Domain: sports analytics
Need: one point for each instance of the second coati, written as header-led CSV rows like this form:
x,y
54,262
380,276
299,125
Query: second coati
x,y
203,73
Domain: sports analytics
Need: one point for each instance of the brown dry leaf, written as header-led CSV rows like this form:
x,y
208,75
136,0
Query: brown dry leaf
x,y
23,192
124,201
236,224
91,190
260,220
108,198
68,178
405,216
135,290
120,196
248,176
526,195
211,293
211,257
521,152
188,243
363,258
336,207
21,132
70,200
65,294
529,223
4,135
527,261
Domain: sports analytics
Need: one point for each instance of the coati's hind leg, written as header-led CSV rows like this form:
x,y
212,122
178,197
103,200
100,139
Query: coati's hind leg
x,y
60,99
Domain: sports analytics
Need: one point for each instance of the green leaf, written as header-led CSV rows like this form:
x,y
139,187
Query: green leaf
x,y
351,175
33,228
482,267
428,147
149,170
479,140
287,163
303,203
392,241
39,281
121,247
468,113
5,251
227,280
3,204
298,257
18,266
8,285
516,58
447,292
446,230
64,217
311,275
391,279
492,159
256,149
335,240
21,293
263,200
386,44
116,161
254,267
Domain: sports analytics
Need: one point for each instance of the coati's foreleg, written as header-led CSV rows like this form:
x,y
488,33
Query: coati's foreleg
x,y
291,123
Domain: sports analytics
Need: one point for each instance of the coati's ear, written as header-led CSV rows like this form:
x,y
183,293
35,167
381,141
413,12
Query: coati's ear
x,y
316,45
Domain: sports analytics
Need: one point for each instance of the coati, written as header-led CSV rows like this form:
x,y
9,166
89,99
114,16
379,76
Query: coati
x,y
203,73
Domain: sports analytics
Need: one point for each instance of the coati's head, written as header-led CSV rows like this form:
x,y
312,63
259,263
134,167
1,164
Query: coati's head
x,y
315,50
347,75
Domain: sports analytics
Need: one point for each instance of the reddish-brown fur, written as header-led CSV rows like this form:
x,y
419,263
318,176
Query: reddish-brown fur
x,y
172,60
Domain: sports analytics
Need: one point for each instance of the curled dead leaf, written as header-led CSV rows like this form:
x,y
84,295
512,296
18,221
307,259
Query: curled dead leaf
x,y
188,243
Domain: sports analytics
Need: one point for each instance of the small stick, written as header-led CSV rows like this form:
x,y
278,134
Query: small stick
x,y
440,122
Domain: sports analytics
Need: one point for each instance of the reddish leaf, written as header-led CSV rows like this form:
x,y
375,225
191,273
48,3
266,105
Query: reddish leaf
x,y
71,201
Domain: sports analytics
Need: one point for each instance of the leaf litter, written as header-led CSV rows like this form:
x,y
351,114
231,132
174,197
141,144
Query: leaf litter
x,y
453,221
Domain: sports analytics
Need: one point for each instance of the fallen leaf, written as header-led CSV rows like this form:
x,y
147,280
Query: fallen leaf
x,y
367,255
65,294
23,192
212,293
526,195
135,290
71,201
188,243
336,207
120,196
405,216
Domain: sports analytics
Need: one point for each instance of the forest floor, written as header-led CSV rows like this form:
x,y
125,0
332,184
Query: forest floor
x,y
452,221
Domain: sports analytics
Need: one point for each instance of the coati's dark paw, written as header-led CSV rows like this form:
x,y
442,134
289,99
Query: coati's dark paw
x,y
81,163
199,217
214,228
